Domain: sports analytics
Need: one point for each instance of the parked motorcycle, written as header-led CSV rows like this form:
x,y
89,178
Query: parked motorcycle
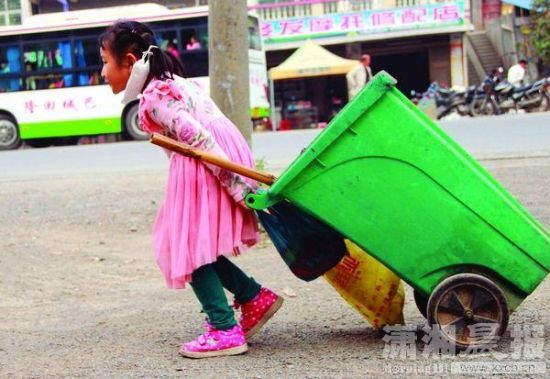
x,y
492,97
484,99
531,98
446,100
472,92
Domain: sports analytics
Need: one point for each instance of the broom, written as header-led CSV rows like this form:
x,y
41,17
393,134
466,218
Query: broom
x,y
307,245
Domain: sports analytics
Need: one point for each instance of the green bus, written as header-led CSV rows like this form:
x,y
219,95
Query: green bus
x,y
50,72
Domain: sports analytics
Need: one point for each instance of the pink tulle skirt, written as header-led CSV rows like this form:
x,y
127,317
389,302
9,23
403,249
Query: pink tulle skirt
x,y
198,220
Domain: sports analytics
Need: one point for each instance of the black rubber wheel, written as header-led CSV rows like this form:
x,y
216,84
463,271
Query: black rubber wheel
x,y
421,302
484,107
465,300
463,109
489,107
9,133
131,124
476,107
544,103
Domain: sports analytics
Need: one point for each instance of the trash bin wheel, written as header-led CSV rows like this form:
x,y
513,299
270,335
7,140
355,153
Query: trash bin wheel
x,y
465,300
421,302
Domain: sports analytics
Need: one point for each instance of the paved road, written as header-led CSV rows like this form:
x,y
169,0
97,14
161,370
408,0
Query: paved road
x,y
81,296
485,137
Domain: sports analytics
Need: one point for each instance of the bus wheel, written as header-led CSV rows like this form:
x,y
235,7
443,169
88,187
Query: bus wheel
x,y
131,124
9,133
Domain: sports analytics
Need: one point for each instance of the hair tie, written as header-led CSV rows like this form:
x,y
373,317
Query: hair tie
x,y
148,53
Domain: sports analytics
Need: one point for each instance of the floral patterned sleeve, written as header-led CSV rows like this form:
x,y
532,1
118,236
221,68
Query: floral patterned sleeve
x,y
163,109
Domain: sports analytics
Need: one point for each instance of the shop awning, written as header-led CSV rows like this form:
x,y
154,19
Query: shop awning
x,y
312,60
525,4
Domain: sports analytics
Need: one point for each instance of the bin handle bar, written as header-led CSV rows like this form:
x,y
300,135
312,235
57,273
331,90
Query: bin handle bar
x,y
189,151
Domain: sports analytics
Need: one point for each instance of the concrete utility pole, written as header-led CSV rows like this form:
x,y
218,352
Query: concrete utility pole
x,y
228,61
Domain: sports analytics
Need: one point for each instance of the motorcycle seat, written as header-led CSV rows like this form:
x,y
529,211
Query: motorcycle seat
x,y
521,89
444,91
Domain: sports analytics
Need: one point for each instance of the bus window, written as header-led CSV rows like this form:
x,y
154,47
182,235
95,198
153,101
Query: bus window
x,y
87,58
86,52
168,41
254,38
194,56
10,59
10,65
39,58
48,55
195,63
9,84
202,37
47,81
91,77
195,39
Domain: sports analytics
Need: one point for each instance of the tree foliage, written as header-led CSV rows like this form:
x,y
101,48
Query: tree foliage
x,y
540,29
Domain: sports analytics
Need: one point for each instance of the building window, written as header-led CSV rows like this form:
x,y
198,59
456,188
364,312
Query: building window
x,y
184,3
10,12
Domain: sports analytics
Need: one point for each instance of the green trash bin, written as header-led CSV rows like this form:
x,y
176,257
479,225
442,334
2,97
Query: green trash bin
x,y
388,178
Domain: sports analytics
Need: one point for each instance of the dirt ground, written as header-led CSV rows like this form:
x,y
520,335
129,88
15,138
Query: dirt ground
x,y
81,296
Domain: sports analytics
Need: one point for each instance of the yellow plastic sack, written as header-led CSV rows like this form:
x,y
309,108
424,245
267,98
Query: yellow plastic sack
x,y
369,287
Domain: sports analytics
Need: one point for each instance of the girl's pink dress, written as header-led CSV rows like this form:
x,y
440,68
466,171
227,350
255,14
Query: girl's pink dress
x,y
199,219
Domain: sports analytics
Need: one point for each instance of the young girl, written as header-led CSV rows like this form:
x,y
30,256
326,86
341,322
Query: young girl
x,y
203,218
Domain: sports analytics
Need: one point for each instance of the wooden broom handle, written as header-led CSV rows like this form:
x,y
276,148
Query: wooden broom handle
x,y
188,151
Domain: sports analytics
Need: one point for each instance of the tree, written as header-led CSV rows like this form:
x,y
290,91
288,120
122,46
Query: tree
x,y
228,61
540,29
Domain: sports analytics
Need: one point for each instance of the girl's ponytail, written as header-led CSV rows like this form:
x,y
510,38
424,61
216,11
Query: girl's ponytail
x,y
164,65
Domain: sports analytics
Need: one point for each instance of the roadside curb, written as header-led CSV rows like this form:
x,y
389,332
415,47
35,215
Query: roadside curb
x,y
512,155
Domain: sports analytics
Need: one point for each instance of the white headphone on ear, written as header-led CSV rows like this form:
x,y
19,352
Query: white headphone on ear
x,y
138,76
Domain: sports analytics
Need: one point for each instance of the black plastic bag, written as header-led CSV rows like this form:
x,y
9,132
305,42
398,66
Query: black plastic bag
x,y
308,246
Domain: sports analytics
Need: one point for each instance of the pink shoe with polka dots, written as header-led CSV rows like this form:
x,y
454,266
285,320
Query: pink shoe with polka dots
x,y
216,343
258,311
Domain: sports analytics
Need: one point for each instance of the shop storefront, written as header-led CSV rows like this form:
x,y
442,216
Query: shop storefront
x,y
416,45
309,87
